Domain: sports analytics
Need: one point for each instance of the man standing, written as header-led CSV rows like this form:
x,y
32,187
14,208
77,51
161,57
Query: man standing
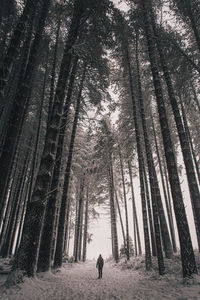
x,y
100,265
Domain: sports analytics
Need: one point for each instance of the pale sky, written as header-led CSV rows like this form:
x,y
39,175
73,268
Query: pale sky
x,y
121,5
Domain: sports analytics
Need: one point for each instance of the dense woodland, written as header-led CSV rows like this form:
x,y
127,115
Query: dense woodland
x,y
93,97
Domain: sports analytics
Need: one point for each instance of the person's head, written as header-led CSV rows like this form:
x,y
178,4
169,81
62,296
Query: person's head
x,y
99,255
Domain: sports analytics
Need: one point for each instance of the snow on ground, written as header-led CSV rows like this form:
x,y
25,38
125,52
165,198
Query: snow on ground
x,y
124,281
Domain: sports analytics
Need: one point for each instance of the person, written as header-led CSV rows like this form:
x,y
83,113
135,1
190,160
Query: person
x,y
99,265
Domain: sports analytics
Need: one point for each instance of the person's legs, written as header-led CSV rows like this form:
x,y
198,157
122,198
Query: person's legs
x,y
100,272
99,269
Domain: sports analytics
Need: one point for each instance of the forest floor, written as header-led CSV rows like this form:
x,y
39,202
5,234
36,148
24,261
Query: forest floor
x,y
124,281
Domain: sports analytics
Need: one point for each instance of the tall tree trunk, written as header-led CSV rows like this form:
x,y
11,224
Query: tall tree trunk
x,y
53,72
151,223
135,218
9,209
155,190
79,227
29,249
127,247
61,226
17,77
157,227
167,186
18,197
81,231
114,237
185,147
187,253
20,220
67,225
38,133
189,138
86,226
140,162
170,218
22,199
20,104
69,236
8,201
120,218
76,222
196,100
197,168
45,255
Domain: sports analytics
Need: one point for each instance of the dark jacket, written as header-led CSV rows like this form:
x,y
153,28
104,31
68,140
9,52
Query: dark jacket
x,y
100,262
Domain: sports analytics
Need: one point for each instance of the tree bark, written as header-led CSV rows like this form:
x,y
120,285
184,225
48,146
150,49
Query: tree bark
x,y
20,105
53,72
185,147
60,237
114,237
127,247
120,218
53,205
187,253
86,226
140,162
135,218
189,138
155,190
29,249
170,218
80,206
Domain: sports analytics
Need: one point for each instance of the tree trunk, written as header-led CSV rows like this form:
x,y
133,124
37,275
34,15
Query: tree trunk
x,y
135,218
20,105
170,218
140,162
76,221
189,138
29,249
17,77
17,199
127,247
185,147
20,219
155,190
67,225
21,202
86,226
8,202
53,205
120,218
81,230
61,226
53,72
196,100
187,253
151,223
79,227
114,237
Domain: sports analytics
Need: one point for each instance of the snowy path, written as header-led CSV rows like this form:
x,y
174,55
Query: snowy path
x,y
79,282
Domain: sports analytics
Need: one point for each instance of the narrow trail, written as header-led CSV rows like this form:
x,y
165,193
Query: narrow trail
x,y
79,282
